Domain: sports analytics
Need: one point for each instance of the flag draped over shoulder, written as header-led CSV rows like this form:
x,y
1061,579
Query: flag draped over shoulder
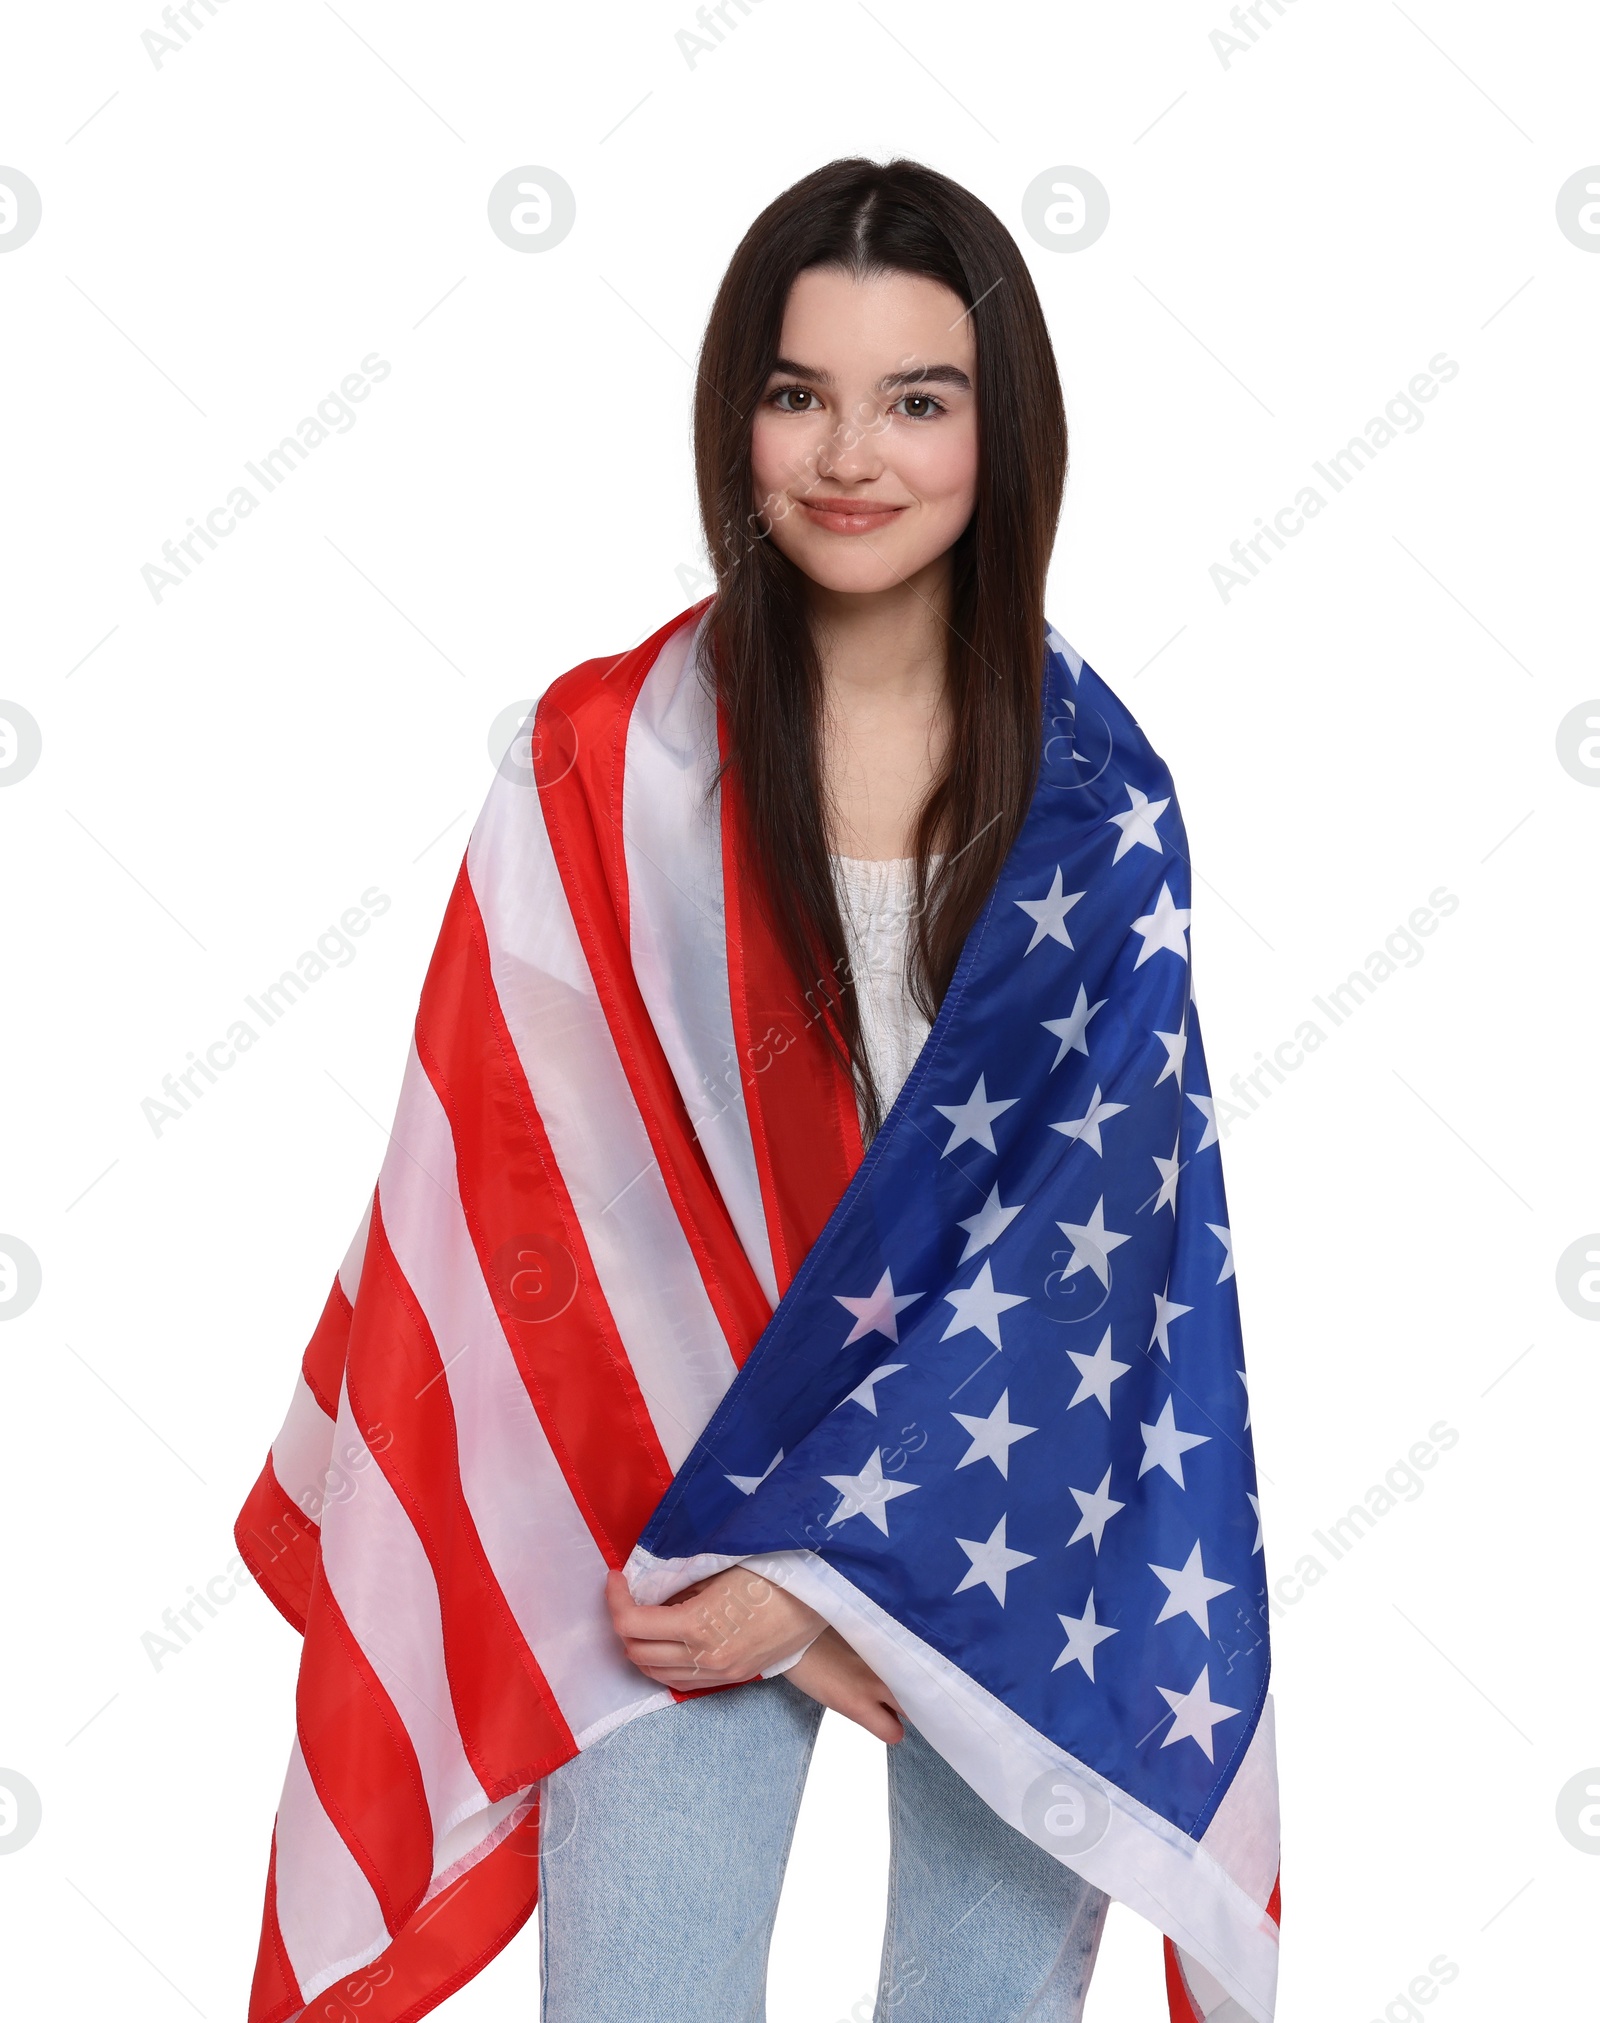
x,y
628,1293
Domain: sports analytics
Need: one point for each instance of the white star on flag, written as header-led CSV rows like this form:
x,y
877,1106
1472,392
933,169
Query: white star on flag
x,y
1099,1506
1138,823
1255,1505
1083,1633
867,1494
992,1559
1087,1128
1167,1311
980,1306
1195,1713
990,1222
1176,1044
1162,928
974,1118
1169,1170
1070,1031
875,1315
992,1437
751,1483
1165,1446
1225,1238
1098,1372
1244,1379
1189,1590
1208,1109
863,1393
1049,915
1092,1245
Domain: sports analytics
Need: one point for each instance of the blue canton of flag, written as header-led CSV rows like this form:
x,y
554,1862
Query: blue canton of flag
x,y
1004,1396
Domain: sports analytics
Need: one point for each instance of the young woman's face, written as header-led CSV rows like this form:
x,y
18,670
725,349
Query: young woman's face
x,y
865,450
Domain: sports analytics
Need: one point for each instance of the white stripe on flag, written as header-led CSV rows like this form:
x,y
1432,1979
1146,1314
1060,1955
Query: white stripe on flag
x,y
350,1270
327,1914
642,1258
677,918
540,1550
302,1452
1243,1837
383,1583
1211,2000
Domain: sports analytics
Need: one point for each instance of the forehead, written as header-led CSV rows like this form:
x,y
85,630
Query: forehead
x,y
874,323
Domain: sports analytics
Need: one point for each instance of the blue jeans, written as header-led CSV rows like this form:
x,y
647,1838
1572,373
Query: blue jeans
x,y
664,1852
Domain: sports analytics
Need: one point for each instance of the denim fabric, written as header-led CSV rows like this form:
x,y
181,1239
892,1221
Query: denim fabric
x,y
983,1926
663,1855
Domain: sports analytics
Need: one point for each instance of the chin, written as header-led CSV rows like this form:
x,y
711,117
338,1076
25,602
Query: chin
x,y
849,569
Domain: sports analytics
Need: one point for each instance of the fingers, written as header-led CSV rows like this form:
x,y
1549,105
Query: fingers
x,y
635,1619
666,1664
676,1623
832,1672
618,1597
675,1662
720,1631
880,1719
877,1716
644,1634
676,1618
688,1678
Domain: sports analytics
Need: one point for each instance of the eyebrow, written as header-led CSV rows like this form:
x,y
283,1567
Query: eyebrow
x,y
944,375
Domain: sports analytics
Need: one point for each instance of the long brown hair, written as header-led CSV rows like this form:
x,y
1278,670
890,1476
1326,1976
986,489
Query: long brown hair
x,y
865,217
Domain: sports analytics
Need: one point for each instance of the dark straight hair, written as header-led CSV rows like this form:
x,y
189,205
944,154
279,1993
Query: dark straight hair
x,y
864,218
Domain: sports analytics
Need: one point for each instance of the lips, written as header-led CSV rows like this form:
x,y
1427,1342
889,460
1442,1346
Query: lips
x,y
849,516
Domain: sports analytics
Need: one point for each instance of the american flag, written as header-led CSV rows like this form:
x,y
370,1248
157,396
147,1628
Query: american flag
x,y
989,1415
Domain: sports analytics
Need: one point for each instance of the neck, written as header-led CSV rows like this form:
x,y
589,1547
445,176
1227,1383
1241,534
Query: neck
x,y
885,708
886,644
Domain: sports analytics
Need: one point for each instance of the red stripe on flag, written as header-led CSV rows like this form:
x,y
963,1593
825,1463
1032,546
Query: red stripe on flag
x,y
802,1109
361,1761
511,1727
1275,1901
279,1544
274,1991
1179,2007
581,735
573,1364
322,1365
443,1945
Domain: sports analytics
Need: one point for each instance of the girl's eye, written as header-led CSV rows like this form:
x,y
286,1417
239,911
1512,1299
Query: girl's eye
x,y
920,406
784,394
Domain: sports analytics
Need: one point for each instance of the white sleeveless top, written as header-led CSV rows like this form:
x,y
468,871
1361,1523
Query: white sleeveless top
x,y
876,897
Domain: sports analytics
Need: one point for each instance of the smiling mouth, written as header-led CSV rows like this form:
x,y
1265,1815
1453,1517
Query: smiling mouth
x,y
849,516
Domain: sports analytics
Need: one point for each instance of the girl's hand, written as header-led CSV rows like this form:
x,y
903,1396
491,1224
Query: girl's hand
x,y
837,1675
723,1630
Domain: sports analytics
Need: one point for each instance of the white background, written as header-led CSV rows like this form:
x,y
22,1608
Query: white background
x,y
1294,234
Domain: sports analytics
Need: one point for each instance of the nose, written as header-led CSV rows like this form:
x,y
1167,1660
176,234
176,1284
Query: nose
x,y
851,453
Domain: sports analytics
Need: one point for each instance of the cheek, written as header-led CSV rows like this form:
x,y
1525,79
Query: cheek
x,y
940,464
777,450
